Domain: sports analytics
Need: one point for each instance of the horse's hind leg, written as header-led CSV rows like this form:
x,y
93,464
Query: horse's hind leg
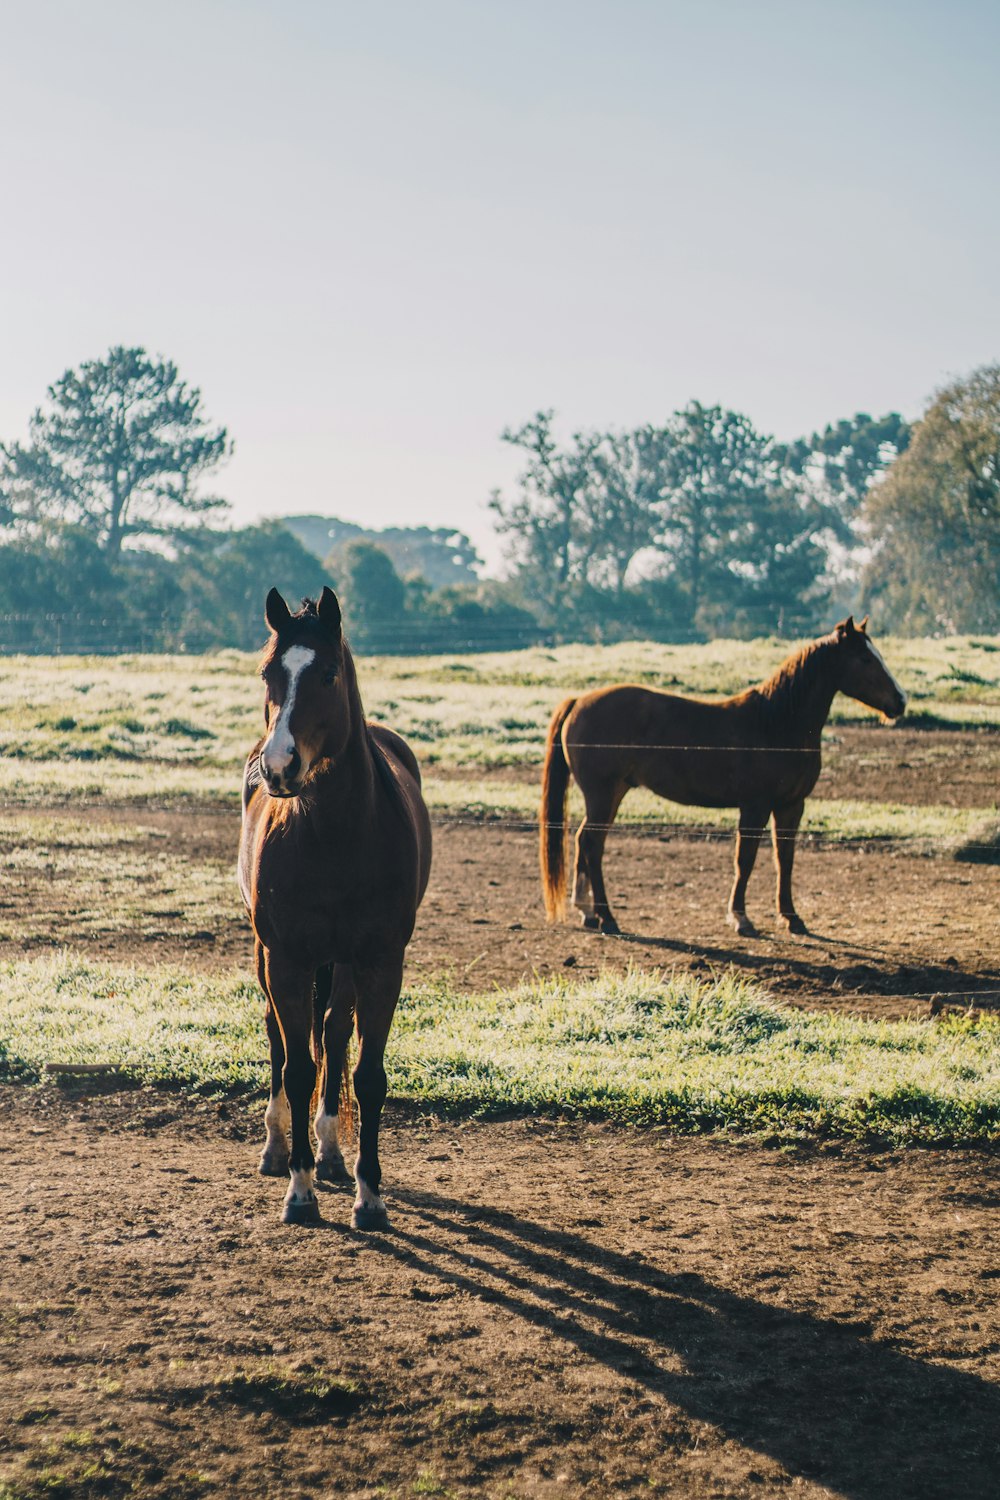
x,y
786,826
277,1116
583,890
602,805
377,993
337,1023
752,823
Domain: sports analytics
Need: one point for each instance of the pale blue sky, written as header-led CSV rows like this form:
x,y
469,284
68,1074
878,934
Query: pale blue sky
x,y
375,233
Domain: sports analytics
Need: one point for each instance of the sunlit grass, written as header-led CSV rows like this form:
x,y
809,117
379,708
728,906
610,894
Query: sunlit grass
x,y
642,1048
116,717
84,879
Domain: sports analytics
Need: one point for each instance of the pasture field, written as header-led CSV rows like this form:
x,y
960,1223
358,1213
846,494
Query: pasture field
x,y
187,718
585,1293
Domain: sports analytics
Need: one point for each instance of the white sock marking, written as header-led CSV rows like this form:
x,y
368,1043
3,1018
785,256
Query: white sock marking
x,y
300,1189
366,1198
278,1123
326,1128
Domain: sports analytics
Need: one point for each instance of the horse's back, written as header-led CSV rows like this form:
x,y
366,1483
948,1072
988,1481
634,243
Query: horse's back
x,y
398,770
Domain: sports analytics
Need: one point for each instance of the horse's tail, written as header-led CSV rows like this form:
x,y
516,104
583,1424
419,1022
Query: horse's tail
x,y
345,1107
552,816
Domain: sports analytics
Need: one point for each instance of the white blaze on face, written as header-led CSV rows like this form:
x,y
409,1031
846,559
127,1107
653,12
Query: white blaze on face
x,y
280,745
881,661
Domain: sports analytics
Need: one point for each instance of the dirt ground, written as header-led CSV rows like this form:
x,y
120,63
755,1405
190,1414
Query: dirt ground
x,y
889,929
561,1310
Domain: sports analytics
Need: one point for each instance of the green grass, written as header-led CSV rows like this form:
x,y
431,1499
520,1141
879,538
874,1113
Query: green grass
x,y
642,1049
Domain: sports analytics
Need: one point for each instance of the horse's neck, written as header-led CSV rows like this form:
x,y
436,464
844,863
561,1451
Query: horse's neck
x,y
804,700
346,787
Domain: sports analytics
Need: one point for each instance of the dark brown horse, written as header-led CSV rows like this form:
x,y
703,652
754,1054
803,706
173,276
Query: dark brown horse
x,y
334,858
758,751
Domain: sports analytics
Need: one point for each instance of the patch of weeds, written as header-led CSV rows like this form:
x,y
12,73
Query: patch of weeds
x,y
187,729
427,1483
34,1416
296,1399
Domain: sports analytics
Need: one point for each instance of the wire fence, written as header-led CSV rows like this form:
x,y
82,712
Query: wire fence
x,y
51,634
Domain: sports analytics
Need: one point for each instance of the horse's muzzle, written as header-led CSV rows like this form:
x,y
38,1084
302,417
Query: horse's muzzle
x,y
283,781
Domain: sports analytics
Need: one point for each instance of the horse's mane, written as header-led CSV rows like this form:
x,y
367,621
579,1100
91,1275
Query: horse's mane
x,y
783,694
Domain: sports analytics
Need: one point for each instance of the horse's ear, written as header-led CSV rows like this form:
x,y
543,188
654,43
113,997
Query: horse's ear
x,y
845,628
276,611
328,610
864,625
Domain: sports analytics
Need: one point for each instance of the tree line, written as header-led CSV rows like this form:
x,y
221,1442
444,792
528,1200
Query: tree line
x,y
110,537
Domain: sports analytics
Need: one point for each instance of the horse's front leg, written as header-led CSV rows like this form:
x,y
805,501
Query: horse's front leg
x,y
786,826
334,1109
277,1116
752,821
290,988
378,989
277,1119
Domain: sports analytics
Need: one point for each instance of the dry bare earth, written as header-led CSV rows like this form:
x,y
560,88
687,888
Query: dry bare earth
x,y
562,1310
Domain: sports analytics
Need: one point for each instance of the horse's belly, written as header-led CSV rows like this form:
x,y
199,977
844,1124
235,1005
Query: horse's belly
x,y
729,779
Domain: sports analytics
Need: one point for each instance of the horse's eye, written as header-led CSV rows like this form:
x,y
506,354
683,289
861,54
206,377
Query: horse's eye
x,y
330,677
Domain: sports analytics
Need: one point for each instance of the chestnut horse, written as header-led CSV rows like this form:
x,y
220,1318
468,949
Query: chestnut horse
x,y
334,857
758,751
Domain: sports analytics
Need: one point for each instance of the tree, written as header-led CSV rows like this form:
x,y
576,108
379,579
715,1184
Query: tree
x,y
934,521
739,529
837,467
848,456
629,473
705,507
118,450
372,594
225,576
547,521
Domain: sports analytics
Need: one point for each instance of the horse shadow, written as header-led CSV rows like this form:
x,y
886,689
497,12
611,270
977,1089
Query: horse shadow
x,y
872,973
821,1398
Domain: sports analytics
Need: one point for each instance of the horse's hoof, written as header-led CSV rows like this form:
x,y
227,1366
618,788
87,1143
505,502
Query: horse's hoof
x,y
742,924
273,1166
591,923
332,1169
306,1212
794,924
367,1218
610,927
